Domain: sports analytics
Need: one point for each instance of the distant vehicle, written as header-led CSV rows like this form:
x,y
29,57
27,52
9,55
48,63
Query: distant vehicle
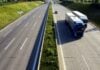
x,y
56,12
83,17
76,24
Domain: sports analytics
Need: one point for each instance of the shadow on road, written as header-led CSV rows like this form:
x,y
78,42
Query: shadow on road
x,y
65,32
92,29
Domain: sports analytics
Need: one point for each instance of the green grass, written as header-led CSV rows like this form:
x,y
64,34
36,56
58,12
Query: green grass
x,y
49,59
9,12
92,11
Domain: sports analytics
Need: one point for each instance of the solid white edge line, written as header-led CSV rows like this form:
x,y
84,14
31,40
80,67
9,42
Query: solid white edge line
x,y
9,44
38,47
61,49
62,56
41,52
23,43
42,45
85,62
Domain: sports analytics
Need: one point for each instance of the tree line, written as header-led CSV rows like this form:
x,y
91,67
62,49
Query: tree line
x,y
88,1
84,1
3,1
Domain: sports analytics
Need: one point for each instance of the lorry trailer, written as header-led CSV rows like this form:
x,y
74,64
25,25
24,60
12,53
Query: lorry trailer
x,y
76,24
82,16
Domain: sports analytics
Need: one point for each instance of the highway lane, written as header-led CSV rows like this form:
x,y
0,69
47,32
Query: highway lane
x,y
17,39
76,54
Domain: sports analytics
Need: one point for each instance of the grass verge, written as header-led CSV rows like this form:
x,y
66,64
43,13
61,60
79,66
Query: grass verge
x,y
49,59
11,11
92,11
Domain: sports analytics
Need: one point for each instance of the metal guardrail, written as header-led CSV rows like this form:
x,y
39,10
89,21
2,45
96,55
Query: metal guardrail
x,y
43,37
34,61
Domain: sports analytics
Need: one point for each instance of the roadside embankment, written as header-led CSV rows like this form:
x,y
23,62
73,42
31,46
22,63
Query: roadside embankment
x,y
11,11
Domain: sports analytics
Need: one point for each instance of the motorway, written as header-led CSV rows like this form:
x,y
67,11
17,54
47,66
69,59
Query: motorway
x,y
17,40
76,54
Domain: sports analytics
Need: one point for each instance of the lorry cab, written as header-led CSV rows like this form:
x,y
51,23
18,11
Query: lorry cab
x,y
78,27
76,24
78,30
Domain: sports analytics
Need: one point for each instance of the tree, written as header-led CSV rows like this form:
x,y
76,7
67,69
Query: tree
x,y
96,1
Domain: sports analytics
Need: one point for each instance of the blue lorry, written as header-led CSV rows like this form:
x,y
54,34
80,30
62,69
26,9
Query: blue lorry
x,y
76,24
82,16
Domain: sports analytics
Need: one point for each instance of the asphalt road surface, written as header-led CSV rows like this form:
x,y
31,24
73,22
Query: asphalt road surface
x,y
76,54
17,39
